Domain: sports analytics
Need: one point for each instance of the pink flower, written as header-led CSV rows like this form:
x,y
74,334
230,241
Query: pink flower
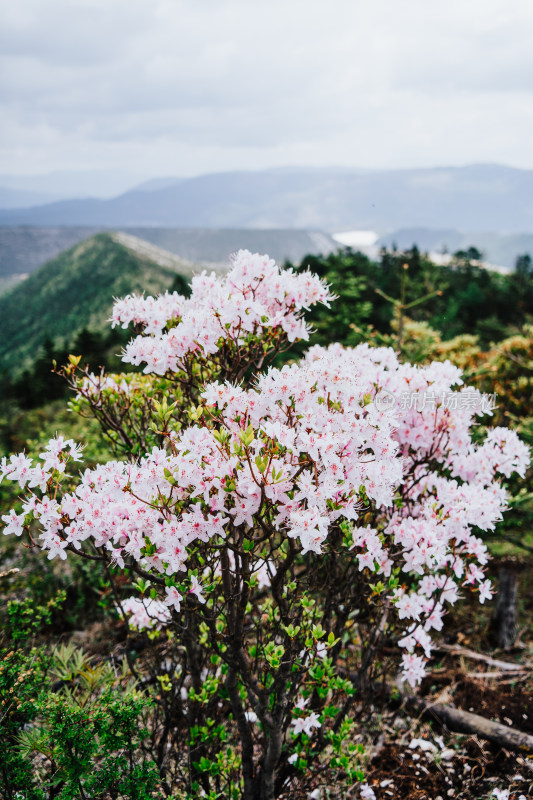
x,y
14,523
173,597
485,591
196,589
306,724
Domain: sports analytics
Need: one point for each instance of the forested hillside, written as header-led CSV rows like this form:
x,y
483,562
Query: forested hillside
x,y
75,291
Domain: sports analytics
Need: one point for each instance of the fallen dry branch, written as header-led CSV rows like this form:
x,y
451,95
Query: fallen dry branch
x,y
456,650
465,722
460,721
498,675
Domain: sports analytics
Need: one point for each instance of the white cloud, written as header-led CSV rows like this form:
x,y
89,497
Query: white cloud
x,y
184,87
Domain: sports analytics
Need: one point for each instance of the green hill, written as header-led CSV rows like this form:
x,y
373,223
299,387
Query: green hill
x,y
75,291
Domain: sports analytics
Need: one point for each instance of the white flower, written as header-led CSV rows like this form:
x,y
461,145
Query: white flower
x,y
322,650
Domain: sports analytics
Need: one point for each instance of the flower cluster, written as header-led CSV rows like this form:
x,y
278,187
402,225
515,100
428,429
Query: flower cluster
x,y
20,468
255,298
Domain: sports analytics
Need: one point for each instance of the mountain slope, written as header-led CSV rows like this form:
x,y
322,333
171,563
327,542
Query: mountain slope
x,y
478,197
76,290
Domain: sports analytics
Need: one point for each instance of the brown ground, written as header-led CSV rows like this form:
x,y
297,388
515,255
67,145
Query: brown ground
x,y
463,767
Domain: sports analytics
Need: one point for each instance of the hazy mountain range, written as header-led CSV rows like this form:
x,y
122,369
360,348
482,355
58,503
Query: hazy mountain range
x,y
473,198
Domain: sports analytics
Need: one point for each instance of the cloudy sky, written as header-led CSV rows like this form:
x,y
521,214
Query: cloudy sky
x,y
182,87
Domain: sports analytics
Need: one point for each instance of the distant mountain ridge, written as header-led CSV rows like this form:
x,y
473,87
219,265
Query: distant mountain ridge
x,y
477,197
23,249
67,183
21,198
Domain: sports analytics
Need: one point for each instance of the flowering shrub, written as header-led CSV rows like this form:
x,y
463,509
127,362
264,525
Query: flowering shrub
x,y
281,524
